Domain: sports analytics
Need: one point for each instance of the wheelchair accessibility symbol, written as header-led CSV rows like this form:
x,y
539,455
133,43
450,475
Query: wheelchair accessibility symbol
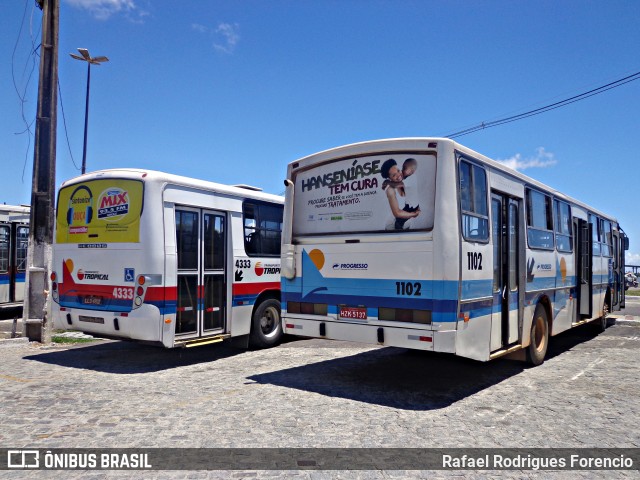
x,y
129,274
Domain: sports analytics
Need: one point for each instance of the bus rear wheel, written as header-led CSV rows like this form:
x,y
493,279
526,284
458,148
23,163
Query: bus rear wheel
x,y
266,328
603,322
537,349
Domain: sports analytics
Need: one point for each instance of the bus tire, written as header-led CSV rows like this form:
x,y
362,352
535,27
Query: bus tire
x,y
603,322
539,340
266,327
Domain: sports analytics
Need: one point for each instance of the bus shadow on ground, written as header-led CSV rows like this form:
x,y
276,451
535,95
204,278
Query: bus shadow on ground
x,y
408,379
131,358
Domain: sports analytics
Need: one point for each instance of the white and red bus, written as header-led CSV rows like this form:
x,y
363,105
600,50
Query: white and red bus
x,y
163,259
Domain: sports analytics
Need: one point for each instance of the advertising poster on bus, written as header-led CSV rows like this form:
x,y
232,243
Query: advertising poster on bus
x,y
99,211
390,193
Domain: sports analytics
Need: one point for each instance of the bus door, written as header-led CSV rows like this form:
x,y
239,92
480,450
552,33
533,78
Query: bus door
x,y
505,318
20,264
624,245
6,286
201,253
618,273
583,248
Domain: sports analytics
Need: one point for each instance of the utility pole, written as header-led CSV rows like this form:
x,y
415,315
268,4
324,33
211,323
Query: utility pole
x,y
39,261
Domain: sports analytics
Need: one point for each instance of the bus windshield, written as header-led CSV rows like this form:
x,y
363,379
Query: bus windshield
x,y
390,192
100,211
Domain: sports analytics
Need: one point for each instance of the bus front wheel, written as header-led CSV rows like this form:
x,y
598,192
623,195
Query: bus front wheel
x,y
266,328
537,349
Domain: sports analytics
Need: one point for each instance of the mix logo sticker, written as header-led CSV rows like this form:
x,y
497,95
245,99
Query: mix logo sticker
x,y
113,204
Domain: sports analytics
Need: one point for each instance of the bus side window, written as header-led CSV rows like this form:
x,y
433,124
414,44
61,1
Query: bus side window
x,y
563,227
607,238
23,246
595,225
4,248
473,202
539,220
262,228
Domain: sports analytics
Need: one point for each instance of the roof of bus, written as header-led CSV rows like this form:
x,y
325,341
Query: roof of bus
x,y
4,208
168,178
14,213
418,143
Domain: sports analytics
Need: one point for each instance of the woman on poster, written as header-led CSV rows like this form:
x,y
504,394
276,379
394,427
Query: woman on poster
x,y
396,195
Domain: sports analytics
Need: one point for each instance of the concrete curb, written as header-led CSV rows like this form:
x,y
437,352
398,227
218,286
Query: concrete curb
x,y
625,319
13,342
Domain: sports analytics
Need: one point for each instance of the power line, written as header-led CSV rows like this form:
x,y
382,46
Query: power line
x,y
22,93
66,132
547,108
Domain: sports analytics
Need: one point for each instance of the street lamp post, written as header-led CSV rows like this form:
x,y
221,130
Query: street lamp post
x,y
85,57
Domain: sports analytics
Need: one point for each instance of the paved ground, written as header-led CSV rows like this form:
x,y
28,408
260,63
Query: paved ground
x,y
314,393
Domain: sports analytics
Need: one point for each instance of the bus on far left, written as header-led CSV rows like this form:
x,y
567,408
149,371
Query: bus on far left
x,y
14,243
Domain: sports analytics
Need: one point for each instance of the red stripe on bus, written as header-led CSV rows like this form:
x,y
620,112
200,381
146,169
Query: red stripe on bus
x,y
157,294
254,288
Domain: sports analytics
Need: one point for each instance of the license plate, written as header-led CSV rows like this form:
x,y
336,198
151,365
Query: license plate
x,y
353,313
92,300
82,318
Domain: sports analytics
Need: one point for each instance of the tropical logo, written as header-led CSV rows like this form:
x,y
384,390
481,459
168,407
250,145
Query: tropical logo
x,y
266,269
259,269
113,204
93,275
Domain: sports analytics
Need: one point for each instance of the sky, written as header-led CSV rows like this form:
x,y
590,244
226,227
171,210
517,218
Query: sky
x,y
232,91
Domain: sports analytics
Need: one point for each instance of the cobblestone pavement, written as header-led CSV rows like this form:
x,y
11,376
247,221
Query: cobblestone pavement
x,y
315,393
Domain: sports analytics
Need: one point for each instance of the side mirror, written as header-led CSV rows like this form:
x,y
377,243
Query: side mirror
x,y
626,243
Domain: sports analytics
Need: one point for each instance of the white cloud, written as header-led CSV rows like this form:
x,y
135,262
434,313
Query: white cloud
x,y
541,159
199,28
225,35
104,9
229,35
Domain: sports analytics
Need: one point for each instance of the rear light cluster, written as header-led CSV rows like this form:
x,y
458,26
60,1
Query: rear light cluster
x,y
388,314
307,308
140,291
54,286
404,315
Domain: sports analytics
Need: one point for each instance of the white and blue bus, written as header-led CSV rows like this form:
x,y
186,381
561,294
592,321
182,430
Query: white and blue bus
x,y
167,260
425,244
14,242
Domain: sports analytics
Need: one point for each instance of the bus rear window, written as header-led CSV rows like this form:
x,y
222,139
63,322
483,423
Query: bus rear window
x,y
100,211
391,192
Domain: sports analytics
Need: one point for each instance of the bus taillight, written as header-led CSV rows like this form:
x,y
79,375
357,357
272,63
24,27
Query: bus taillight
x,y
140,291
54,286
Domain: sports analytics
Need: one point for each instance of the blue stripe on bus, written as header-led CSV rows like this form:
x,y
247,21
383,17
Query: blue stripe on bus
x,y
243,300
19,277
114,305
